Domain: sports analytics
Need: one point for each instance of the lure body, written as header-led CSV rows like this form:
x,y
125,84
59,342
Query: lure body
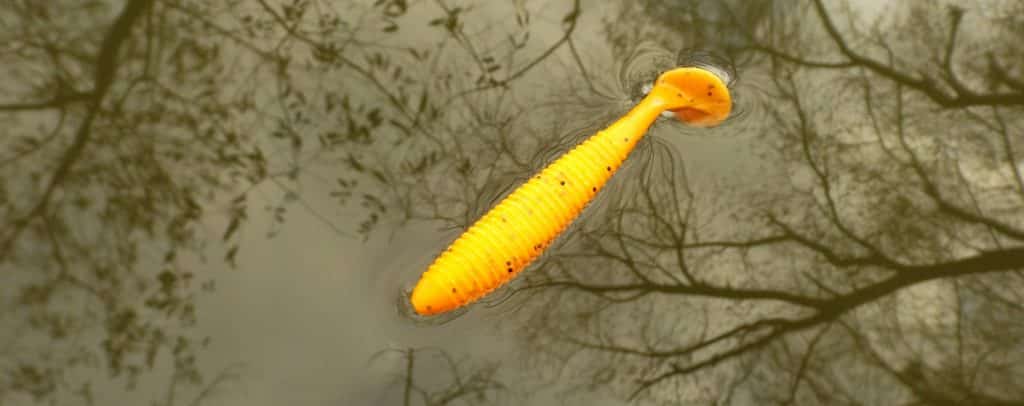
x,y
518,230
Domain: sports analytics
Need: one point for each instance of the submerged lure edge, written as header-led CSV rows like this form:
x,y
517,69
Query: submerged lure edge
x,y
518,229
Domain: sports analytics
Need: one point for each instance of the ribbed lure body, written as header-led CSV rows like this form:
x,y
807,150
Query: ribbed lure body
x,y
518,230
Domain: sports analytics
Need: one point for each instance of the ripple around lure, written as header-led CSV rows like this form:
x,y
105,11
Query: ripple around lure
x,y
518,229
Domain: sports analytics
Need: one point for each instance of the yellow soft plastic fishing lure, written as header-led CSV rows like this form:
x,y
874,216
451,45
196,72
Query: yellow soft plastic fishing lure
x,y
516,231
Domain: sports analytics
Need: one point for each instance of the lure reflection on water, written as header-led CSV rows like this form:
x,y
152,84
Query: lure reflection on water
x,y
516,231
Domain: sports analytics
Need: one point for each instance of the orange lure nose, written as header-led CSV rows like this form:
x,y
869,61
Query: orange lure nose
x,y
697,96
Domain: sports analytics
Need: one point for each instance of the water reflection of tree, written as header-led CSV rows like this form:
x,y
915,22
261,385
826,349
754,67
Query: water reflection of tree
x,y
461,383
885,266
130,125
885,269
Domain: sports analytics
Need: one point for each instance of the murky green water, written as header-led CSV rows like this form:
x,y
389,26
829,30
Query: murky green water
x,y
228,203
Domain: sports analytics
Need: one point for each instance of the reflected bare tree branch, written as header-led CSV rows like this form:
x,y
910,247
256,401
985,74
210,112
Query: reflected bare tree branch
x,y
472,385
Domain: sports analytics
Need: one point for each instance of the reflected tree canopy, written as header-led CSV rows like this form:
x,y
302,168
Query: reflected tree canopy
x,y
140,136
885,267
879,262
